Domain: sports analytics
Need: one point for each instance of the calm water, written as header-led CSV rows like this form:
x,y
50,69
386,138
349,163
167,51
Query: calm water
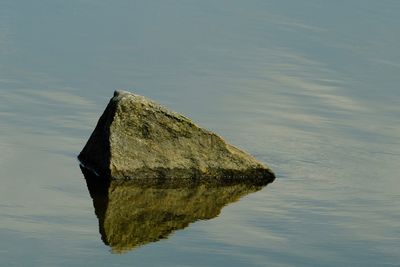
x,y
309,87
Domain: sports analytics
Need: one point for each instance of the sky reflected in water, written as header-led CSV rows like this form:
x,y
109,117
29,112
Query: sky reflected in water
x,y
309,88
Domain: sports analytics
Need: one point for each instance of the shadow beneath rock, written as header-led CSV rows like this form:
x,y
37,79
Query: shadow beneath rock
x,y
134,213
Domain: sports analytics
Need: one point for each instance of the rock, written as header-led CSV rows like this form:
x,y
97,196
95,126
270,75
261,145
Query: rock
x,y
136,138
131,215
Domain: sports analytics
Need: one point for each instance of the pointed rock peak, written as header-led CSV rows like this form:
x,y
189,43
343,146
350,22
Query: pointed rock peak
x,y
139,139
120,92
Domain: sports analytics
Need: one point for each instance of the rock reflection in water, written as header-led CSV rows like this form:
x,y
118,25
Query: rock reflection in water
x,y
132,214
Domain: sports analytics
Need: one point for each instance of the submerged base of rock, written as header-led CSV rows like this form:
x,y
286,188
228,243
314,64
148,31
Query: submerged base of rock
x,y
188,179
138,139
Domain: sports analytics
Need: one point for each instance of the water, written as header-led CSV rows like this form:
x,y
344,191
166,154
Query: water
x,y
308,87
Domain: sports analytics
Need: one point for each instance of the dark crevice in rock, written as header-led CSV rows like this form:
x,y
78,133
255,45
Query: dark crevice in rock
x,y
97,157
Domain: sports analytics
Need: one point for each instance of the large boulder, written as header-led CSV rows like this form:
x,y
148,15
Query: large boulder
x,y
136,138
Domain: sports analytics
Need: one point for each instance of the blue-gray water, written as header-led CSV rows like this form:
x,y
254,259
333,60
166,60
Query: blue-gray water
x,y
309,87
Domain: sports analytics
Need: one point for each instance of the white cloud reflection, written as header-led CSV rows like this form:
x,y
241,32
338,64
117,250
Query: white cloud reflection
x,y
65,96
328,94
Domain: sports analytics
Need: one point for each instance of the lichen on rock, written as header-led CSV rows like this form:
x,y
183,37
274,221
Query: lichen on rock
x,y
138,139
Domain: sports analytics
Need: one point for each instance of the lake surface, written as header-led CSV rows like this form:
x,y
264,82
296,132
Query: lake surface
x,y
310,88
